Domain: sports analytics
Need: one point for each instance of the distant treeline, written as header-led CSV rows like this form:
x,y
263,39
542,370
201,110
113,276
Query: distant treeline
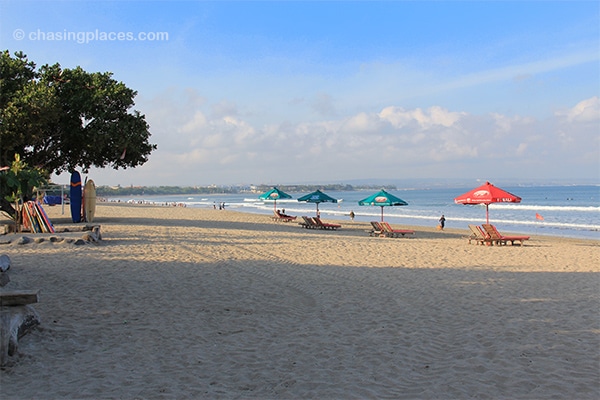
x,y
111,191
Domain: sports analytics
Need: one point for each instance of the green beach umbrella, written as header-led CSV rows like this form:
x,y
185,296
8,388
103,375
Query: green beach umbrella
x,y
382,199
274,194
317,197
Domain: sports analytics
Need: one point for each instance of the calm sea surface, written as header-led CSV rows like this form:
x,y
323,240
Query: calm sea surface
x,y
569,211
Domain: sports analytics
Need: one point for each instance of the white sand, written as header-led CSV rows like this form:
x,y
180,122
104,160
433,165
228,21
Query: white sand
x,y
197,303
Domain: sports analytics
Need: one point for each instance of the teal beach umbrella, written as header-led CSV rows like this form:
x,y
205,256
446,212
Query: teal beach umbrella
x,y
382,199
317,197
274,194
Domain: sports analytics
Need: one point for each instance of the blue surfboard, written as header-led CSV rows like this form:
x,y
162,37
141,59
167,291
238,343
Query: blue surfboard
x,y
75,194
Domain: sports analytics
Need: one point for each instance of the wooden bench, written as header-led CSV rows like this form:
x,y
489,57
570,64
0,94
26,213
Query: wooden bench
x,y
18,297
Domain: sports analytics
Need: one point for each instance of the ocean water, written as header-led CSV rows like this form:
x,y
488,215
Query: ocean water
x,y
567,211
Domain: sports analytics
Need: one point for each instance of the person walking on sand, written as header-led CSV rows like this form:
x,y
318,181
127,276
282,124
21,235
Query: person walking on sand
x,y
352,215
442,222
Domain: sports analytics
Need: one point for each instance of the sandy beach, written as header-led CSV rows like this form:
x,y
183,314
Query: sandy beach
x,y
179,303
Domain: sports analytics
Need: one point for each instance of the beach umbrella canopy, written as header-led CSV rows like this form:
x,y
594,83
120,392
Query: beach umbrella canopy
x,y
274,194
487,194
382,199
317,197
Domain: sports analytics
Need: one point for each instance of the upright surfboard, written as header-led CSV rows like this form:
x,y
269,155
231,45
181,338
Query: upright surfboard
x,y
89,201
75,194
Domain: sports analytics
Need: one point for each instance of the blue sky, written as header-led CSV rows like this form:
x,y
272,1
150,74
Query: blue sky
x,y
315,92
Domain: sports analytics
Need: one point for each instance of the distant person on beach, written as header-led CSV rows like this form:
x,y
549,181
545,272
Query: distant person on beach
x,y
352,215
442,222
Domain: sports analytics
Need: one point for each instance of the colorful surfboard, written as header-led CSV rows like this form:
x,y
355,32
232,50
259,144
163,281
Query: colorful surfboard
x,y
89,201
28,221
45,218
75,194
35,218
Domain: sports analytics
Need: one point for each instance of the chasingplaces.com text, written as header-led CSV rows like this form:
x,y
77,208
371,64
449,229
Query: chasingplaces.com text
x,y
85,37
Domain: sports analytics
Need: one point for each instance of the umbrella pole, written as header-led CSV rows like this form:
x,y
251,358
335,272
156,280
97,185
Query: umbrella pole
x,y
381,213
487,214
317,209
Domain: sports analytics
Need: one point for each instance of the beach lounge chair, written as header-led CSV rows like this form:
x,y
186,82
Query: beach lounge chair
x,y
391,232
478,235
324,225
279,217
377,229
500,239
308,223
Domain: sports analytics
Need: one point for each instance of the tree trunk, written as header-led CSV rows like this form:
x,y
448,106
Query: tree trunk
x,y
7,207
15,322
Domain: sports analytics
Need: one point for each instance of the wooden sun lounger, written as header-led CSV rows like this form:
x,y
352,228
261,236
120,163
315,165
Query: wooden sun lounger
x,y
308,223
324,225
391,232
478,236
500,239
278,217
377,229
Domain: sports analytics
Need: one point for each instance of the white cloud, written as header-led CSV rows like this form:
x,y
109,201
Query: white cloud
x,y
518,71
400,118
361,123
197,122
200,146
521,148
585,111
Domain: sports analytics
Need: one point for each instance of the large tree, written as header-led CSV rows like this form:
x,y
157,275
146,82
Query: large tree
x,y
60,119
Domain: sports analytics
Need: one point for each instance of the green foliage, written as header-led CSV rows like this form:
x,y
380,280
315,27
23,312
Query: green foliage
x,y
64,119
18,182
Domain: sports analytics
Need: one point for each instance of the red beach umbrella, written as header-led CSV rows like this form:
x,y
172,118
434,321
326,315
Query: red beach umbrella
x,y
487,194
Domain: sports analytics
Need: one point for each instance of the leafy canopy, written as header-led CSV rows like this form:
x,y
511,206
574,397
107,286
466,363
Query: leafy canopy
x,y
55,120
60,119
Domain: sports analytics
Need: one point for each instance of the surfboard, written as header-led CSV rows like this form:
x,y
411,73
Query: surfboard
x,y
45,218
38,217
75,194
29,214
89,201
27,219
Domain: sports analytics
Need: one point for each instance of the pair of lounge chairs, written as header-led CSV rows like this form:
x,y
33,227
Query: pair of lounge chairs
x,y
316,223
488,234
382,229
279,217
